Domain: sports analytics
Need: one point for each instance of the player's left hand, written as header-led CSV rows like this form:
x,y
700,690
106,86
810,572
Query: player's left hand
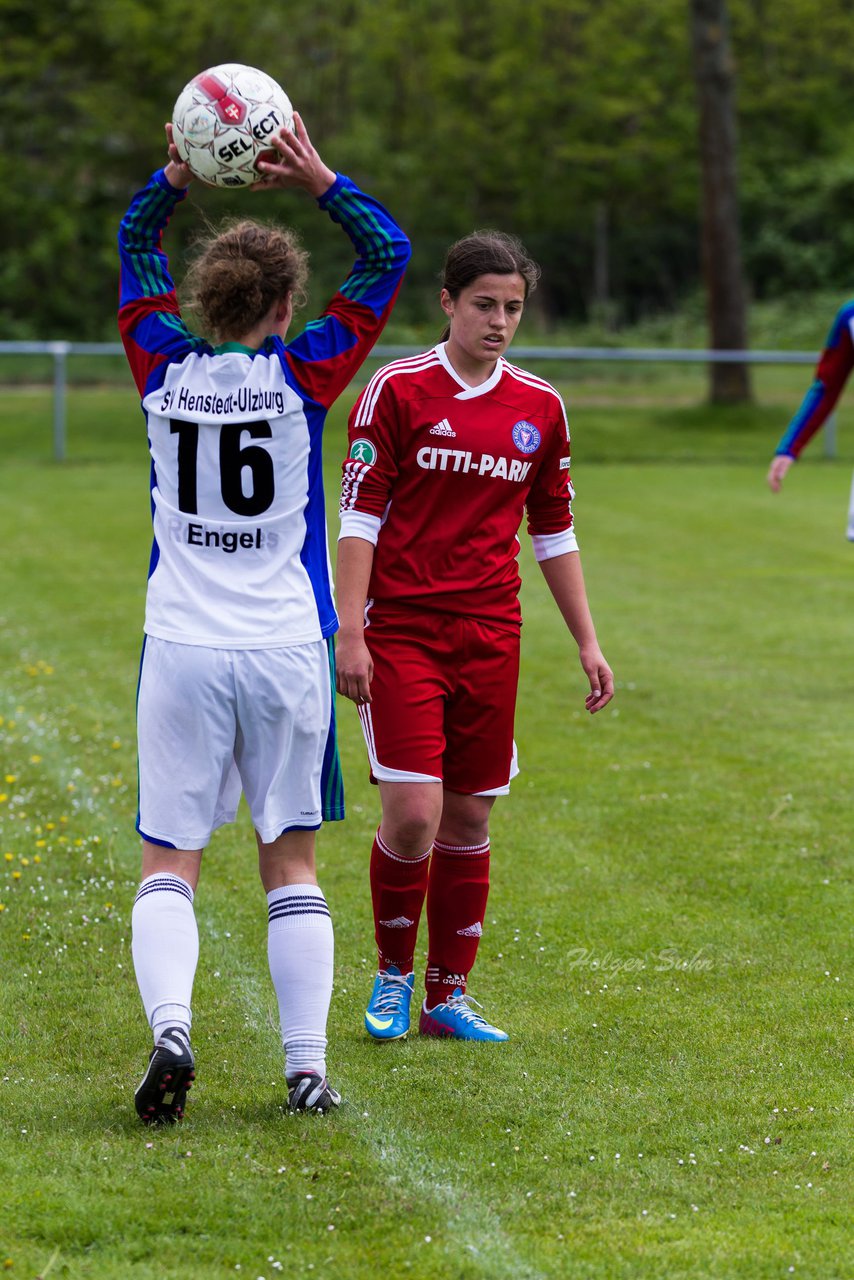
x,y
297,165
601,679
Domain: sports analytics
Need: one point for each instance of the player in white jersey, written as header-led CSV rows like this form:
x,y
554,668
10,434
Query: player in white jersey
x,y
235,689
448,451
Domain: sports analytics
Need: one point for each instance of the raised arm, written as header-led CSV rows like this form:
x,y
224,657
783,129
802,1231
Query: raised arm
x,y
150,322
326,355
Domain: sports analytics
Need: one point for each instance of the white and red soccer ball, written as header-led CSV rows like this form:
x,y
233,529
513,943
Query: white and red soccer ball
x,y
223,120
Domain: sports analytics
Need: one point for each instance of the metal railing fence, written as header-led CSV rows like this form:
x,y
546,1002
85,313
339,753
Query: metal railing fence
x,y
60,351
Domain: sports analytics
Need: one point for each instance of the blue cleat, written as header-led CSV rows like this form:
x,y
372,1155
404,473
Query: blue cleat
x,y
387,1014
456,1019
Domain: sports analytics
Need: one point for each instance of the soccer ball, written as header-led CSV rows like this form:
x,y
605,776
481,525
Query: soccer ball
x,y
223,120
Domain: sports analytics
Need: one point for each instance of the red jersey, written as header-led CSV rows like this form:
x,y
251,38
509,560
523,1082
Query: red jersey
x,y
439,475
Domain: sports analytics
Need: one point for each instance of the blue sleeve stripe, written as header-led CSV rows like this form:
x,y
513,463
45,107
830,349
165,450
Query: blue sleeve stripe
x,y
360,283
357,211
809,405
139,238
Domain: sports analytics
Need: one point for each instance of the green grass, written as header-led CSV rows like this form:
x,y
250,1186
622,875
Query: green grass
x,y
667,932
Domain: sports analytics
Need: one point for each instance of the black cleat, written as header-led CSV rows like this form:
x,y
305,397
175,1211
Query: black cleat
x,y
162,1093
311,1092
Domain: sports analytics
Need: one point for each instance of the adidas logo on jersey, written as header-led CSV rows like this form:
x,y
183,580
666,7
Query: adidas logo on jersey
x,y
443,428
472,931
399,922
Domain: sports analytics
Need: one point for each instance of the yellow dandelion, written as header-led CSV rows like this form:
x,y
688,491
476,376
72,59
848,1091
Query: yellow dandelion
x,y
70,787
78,842
40,844
11,777
8,1263
26,937
16,875
2,906
108,906
31,670
8,856
63,818
3,798
37,858
116,743
50,826
35,759
62,840
25,862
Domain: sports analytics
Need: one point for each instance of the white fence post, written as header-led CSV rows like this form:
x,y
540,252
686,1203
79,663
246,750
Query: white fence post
x,y
830,436
59,351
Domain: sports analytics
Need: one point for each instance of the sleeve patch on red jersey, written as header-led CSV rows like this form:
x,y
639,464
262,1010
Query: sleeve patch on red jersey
x,y
564,464
364,451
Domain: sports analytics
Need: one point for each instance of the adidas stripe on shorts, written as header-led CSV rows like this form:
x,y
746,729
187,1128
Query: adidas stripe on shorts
x,y
443,700
214,722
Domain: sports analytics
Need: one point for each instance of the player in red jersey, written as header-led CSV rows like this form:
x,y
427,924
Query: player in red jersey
x,y
447,451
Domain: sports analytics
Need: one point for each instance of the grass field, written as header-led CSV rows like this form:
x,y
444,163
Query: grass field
x,y
668,935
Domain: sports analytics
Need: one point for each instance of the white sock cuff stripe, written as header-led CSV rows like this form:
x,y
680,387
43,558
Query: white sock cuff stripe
x,y
297,903
295,891
396,857
164,882
462,850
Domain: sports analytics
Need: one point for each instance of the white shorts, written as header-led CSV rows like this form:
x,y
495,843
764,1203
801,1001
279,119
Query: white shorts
x,y
213,722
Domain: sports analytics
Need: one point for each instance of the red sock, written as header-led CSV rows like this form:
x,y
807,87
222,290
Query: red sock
x,y
398,886
456,904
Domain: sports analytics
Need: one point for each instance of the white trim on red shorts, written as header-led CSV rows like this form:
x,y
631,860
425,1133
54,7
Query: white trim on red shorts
x,y
380,772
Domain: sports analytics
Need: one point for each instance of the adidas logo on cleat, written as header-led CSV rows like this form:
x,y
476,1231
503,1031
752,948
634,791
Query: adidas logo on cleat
x,y
471,931
442,428
399,922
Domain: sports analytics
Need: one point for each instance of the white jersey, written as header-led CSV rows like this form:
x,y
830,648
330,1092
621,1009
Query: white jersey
x,y
240,557
230,519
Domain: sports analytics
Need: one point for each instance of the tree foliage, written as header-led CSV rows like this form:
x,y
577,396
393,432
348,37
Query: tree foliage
x,y
542,118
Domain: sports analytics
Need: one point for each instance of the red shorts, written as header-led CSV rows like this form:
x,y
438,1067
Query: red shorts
x,y
443,698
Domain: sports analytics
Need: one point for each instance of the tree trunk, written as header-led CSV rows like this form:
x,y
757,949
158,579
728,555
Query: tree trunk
x,y
720,234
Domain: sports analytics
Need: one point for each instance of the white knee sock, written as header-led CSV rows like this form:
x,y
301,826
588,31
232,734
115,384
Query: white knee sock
x,y
165,949
300,949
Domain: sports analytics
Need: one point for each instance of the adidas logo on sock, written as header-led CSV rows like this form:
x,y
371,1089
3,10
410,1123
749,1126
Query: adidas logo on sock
x,y
399,922
443,428
472,931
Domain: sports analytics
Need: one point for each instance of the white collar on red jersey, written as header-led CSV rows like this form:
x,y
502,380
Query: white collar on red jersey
x,y
468,392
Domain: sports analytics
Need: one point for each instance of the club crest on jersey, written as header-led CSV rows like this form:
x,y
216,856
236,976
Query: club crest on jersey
x,y
363,451
526,437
